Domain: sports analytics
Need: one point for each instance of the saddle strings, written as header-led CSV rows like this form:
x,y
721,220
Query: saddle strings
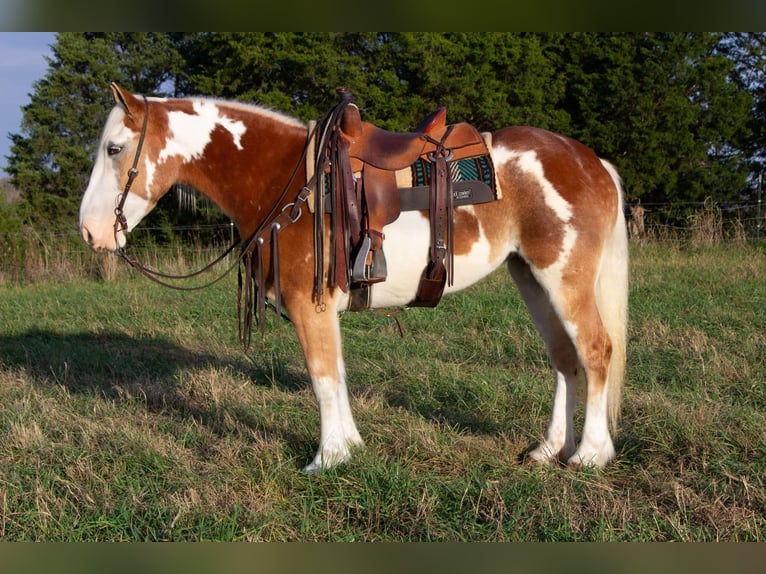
x,y
251,293
329,153
251,299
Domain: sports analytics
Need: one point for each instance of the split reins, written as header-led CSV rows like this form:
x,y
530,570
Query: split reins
x,y
251,297
121,224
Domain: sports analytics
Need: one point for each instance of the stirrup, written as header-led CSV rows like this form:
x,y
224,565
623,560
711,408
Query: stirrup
x,y
359,271
374,273
379,267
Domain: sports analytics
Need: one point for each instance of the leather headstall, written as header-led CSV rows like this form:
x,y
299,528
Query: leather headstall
x,y
121,223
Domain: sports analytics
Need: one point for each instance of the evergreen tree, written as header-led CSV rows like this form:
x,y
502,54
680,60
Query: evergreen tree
x,y
295,73
51,161
747,50
491,80
662,107
681,115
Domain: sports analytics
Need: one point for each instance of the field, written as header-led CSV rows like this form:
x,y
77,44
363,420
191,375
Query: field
x,y
129,412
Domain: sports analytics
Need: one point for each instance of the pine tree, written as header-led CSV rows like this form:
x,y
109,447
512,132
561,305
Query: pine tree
x,y
662,107
51,160
675,112
747,50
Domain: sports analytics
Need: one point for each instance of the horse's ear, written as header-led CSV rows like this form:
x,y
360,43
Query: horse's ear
x,y
122,97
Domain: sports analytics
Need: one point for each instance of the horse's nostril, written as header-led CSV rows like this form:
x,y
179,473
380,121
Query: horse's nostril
x,y
86,235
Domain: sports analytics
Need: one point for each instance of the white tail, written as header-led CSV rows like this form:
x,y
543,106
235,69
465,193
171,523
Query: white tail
x,y
612,299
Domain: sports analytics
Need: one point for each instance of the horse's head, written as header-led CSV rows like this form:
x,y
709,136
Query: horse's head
x,y
127,142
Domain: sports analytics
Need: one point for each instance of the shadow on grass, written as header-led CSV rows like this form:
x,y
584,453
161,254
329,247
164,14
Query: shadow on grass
x,y
101,362
121,368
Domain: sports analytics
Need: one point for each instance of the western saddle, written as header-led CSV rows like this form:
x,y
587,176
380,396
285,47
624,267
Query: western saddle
x,y
366,176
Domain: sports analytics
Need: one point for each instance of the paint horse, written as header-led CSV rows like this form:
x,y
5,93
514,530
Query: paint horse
x,y
557,224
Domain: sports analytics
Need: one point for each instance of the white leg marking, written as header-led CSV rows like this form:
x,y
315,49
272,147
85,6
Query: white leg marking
x,y
596,448
333,448
338,432
559,438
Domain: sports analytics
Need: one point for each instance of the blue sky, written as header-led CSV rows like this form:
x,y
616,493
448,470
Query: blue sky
x,y
22,61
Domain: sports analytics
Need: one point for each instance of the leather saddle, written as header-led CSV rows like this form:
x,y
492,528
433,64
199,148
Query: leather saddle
x,y
367,164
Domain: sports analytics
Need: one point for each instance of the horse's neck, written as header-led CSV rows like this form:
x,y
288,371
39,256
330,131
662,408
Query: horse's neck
x,y
246,185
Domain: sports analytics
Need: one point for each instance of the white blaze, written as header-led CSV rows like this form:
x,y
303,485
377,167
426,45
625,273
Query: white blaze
x,y
102,195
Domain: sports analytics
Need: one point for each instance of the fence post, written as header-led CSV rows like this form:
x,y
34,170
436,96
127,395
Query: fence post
x,y
758,217
109,266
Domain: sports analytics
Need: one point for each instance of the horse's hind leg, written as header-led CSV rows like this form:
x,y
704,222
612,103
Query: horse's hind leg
x,y
319,335
567,316
559,442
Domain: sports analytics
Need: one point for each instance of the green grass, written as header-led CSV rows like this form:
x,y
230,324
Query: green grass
x,y
129,412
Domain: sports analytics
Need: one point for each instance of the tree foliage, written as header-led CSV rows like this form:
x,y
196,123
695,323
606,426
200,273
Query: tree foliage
x,y
682,115
51,162
663,108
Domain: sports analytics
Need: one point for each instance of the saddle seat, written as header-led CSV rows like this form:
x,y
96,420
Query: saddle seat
x,y
391,151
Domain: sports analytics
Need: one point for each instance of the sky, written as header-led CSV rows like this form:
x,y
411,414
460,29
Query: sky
x,y
22,62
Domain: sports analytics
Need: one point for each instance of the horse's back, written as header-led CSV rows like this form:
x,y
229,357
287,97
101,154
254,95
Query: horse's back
x,y
566,161
551,179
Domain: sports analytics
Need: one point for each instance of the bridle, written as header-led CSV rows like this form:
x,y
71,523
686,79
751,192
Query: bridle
x,y
251,298
121,224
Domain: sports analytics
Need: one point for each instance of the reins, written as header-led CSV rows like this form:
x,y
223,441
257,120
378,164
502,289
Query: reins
x,y
121,224
253,285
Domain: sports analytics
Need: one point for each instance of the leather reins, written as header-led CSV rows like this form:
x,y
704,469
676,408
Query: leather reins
x,y
279,217
121,224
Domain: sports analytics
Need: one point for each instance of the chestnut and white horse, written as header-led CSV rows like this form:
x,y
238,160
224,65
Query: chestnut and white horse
x,y
558,225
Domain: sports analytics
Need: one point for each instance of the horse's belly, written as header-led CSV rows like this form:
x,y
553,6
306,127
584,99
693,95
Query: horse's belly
x,y
406,247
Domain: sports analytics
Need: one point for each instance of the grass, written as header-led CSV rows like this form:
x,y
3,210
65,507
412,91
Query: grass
x,y
129,412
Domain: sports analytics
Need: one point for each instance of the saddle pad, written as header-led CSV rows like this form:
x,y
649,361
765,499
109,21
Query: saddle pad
x,y
469,169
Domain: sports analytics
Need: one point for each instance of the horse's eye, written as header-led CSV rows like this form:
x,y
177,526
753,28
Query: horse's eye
x,y
113,149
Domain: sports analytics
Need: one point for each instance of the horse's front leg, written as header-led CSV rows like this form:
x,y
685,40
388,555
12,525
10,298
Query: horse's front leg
x,y
319,335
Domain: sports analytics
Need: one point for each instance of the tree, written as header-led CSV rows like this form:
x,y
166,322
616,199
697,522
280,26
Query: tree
x,y
296,73
489,79
747,51
51,160
663,108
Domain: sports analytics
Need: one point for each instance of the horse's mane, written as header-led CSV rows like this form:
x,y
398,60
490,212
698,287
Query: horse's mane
x,y
251,108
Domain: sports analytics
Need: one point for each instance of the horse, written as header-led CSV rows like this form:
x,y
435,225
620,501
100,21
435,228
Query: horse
x,y
557,224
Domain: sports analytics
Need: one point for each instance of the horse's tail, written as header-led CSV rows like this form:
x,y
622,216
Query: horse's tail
x,y
612,299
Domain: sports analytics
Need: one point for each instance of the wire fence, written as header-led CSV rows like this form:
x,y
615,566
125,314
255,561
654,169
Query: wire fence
x,y
29,255
700,222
